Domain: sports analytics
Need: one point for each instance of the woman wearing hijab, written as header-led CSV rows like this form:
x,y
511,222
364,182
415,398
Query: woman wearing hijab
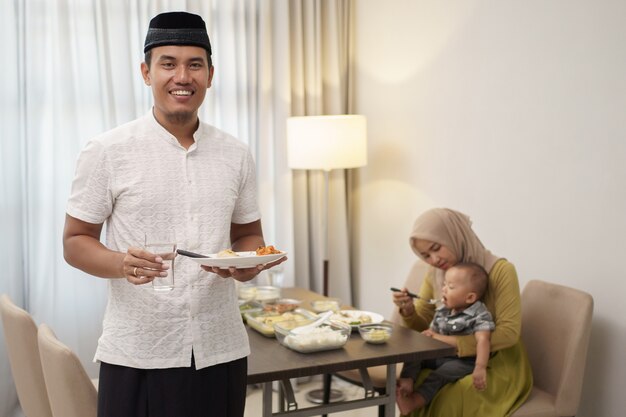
x,y
442,238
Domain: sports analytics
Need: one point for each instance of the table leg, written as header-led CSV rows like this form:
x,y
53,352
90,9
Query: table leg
x,y
390,390
267,399
327,382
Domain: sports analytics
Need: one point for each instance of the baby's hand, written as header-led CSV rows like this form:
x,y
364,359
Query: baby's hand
x,y
428,332
480,378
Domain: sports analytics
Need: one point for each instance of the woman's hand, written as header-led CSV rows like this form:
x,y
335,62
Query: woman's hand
x,y
404,302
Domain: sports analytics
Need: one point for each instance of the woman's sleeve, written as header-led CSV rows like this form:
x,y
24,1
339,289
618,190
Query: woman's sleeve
x,y
424,312
504,302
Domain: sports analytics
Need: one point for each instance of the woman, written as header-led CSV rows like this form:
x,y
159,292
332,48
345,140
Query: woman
x,y
442,238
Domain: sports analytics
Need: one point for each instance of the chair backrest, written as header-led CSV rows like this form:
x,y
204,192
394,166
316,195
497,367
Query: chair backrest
x,y
556,325
413,283
20,334
70,390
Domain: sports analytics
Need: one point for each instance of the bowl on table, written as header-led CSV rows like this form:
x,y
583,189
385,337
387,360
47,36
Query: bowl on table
x,y
327,304
376,333
267,294
263,294
327,336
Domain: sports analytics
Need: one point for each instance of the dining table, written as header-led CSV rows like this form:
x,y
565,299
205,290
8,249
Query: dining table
x,y
270,361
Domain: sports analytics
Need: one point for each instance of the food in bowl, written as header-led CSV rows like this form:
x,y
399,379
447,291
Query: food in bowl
x,y
264,321
329,304
330,335
376,333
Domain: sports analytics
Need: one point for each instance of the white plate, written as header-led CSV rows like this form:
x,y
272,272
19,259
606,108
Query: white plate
x,y
244,260
353,317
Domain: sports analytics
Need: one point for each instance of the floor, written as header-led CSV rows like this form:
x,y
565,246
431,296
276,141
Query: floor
x,y
301,387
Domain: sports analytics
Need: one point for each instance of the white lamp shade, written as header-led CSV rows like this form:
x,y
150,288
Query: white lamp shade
x,y
327,142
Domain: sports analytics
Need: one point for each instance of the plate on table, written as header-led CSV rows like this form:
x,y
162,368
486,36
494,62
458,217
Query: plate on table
x,y
357,317
242,260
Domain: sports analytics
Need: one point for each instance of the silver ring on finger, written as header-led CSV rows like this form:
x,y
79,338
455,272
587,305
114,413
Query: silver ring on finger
x,y
135,271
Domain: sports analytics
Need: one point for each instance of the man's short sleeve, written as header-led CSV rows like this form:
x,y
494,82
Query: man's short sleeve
x,y
90,199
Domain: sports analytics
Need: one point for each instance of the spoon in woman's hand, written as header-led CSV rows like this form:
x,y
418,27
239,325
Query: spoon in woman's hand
x,y
412,295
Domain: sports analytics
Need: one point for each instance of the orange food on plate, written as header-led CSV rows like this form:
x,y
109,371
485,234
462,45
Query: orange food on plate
x,y
267,250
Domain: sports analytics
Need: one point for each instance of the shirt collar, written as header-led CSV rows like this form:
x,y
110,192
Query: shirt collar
x,y
470,311
165,134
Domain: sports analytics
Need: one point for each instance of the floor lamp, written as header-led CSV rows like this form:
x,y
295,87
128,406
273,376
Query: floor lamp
x,y
326,143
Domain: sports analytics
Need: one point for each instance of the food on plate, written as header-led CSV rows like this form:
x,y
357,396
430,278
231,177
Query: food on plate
x,y
353,319
227,253
267,250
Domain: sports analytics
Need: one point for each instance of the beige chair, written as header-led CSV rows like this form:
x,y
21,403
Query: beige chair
x,y
71,392
556,323
20,334
378,374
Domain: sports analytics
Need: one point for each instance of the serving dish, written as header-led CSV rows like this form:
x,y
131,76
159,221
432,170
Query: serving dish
x,y
263,321
281,305
249,306
327,336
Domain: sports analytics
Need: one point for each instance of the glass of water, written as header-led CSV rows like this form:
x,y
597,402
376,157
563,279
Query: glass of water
x,y
162,243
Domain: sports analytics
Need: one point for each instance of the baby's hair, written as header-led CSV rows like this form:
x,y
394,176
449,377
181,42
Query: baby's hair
x,y
478,278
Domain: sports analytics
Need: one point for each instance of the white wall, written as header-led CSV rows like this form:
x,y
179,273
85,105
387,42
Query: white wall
x,y
514,113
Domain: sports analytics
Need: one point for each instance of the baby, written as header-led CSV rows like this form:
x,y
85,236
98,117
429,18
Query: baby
x,y
462,313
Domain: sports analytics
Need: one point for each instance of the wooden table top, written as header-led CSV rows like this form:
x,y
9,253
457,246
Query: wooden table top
x,y
270,361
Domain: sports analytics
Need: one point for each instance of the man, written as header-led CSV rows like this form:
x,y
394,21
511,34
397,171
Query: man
x,y
183,352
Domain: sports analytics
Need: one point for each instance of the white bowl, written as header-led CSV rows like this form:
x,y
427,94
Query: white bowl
x,y
376,333
327,304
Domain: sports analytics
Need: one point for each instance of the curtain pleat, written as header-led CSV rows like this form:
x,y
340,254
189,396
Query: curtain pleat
x,y
319,34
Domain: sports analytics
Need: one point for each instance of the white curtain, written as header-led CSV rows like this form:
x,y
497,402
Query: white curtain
x,y
71,71
320,84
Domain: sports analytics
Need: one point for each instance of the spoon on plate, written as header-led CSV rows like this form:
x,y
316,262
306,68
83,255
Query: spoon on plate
x,y
412,295
307,327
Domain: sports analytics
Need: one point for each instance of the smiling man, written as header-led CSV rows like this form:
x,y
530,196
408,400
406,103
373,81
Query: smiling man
x,y
182,352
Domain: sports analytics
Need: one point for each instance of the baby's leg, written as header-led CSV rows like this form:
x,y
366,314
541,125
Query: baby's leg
x,y
410,402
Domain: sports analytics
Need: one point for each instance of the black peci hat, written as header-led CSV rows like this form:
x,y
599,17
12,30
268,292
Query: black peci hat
x,y
177,28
